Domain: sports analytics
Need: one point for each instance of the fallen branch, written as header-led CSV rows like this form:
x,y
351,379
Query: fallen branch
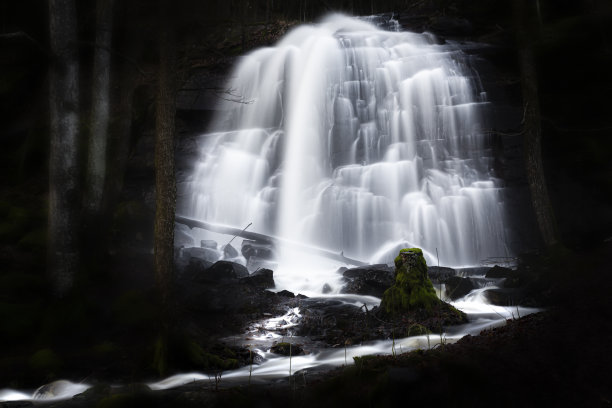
x,y
267,239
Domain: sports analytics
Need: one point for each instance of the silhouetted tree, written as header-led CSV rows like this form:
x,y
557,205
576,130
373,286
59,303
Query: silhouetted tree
x,y
526,35
63,255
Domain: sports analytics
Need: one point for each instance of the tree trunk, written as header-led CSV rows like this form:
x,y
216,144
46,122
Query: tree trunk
x,y
98,138
526,32
165,185
63,255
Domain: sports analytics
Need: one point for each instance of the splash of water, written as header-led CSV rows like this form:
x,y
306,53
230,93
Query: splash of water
x,y
358,140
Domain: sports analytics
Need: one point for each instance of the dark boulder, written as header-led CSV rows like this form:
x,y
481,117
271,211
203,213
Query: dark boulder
x,y
224,271
504,297
286,294
331,320
287,349
457,287
256,249
261,278
497,272
370,280
439,274
204,254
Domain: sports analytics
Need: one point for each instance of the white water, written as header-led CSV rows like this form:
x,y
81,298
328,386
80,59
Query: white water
x,y
354,139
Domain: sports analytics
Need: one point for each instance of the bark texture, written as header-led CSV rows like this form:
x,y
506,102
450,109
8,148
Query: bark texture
x,y
64,124
526,34
98,138
165,184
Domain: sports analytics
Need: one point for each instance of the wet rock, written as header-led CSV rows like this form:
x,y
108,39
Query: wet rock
x,y
286,293
370,280
256,249
457,287
223,271
230,252
497,272
287,349
326,288
503,297
331,320
439,274
208,243
205,254
262,278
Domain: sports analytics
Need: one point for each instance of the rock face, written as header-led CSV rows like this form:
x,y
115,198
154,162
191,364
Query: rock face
x,y
413,288
223,297
439,274
368,280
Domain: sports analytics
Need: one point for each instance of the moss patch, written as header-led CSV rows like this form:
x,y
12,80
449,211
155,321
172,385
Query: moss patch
x,y
413,288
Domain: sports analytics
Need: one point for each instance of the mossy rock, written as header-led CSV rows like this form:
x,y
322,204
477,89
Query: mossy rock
x,y
413,289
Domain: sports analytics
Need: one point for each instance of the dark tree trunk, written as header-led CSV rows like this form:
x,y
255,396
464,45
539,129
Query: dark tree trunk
x,y
98,137
165,185
120,133
526,33
63,255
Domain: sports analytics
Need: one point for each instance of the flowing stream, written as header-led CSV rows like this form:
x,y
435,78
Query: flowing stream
x,y
351,136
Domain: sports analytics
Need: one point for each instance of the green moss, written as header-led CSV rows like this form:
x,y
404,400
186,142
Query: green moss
x,y
413,288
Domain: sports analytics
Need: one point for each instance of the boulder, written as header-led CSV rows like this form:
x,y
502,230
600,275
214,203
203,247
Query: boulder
x,y
331,320
205,254
260,250
370,280
224,271
229,251
439,274
497,272
412,288
287,349
208,243
261,278
457,287
504,297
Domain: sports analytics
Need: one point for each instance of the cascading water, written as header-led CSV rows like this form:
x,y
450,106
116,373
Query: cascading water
x,y
358,140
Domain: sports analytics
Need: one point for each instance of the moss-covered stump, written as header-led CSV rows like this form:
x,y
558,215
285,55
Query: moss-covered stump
x,y
413,296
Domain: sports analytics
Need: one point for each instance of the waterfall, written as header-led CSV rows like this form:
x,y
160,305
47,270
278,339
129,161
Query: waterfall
x,y
359,140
